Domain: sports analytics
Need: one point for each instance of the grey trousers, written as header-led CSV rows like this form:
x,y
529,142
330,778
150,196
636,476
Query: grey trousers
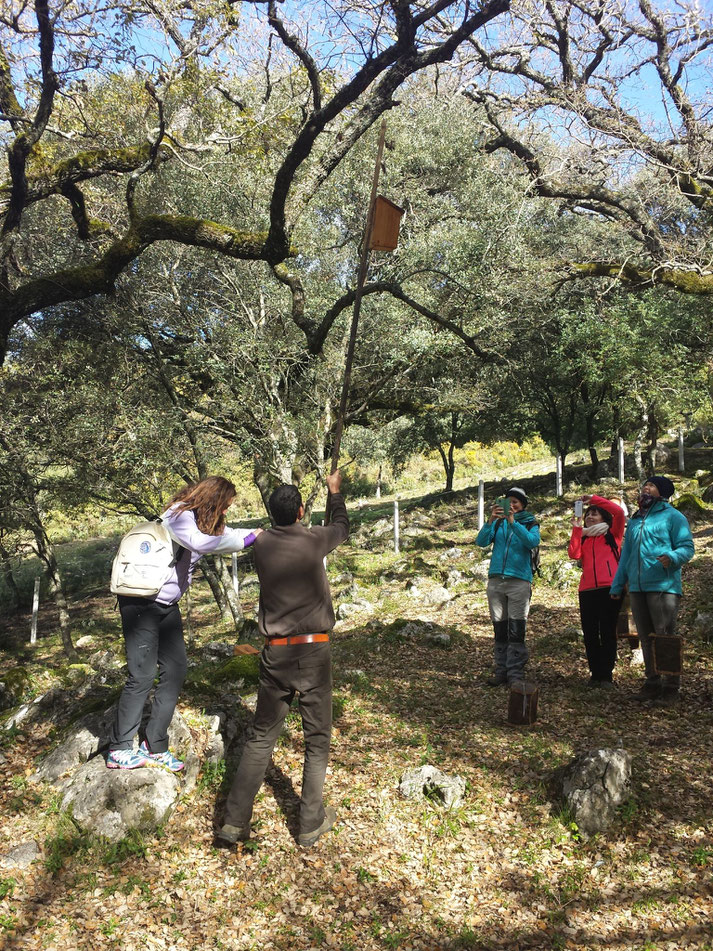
x,y
153,635
655,612
509,603
286,670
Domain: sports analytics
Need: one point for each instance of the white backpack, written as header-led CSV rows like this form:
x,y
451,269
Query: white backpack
x,y
146,557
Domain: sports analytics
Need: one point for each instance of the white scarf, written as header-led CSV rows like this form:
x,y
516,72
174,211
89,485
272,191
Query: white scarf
x,y
600,528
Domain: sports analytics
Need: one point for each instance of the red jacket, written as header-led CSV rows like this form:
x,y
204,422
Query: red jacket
x,y
599,563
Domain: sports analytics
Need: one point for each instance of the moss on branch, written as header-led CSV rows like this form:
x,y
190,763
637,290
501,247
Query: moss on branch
x,y
684,281
244,245
99,277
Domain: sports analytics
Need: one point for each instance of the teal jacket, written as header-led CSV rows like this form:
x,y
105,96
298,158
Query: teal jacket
x,y
662,530
512,545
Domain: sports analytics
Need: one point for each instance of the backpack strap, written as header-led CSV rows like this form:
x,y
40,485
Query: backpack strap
x,y
178,549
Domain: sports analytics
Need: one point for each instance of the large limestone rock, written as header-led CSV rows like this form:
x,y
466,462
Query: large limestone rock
x,y
82,740
594,784
352,608
20,856
428,782
703,625
110,802
422,589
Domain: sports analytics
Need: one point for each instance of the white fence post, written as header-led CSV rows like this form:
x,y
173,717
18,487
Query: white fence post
x,y
396,526
236,581
621,460
680,449
481,503
35,611
558,476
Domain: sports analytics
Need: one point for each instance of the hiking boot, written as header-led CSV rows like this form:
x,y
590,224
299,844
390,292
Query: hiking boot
x,y
307,839
647,692
127,759
233,834
497,680
667,698
166,759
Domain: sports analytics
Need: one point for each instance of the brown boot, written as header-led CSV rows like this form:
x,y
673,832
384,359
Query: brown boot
x,y
648,692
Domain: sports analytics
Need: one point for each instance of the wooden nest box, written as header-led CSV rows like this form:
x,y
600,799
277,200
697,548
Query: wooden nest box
x,y
668,654
385,228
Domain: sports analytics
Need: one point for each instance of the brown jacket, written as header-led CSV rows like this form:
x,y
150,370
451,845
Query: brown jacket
x,y
294,590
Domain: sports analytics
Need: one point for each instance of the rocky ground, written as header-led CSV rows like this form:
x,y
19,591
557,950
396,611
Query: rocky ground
x,y
505,868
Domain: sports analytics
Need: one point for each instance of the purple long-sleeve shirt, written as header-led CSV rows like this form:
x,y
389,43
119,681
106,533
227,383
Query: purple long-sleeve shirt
x,y
183,529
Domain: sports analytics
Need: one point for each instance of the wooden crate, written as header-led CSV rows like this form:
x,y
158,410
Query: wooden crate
x,y
522,703
668,654
385,229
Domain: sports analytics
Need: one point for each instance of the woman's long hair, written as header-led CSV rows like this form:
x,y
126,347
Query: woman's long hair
x,y
208,500
608,538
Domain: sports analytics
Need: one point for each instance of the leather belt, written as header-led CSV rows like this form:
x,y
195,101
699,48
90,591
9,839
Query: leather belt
x,y
297,639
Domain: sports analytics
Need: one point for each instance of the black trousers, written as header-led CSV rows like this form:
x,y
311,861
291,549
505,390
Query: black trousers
x,y
599,613
286,670
153,634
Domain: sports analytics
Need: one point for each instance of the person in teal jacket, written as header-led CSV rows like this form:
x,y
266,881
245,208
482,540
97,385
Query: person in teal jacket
x,y
514,535
657,543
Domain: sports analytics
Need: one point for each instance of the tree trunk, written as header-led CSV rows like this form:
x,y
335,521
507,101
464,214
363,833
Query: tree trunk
x,y
57,591
652,433
6,568
211,575
639,440
264,483
616,426
448,465
226,581
188,617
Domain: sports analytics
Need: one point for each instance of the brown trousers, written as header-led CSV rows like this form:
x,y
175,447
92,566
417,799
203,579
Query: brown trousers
x,y
286,670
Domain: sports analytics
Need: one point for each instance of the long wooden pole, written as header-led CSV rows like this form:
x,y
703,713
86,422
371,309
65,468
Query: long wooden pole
x,y
361,279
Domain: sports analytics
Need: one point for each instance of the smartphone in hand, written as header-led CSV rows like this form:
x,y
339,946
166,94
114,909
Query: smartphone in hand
x,y
504,505
578,508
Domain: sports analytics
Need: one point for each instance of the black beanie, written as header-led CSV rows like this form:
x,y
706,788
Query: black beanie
x,y
519,494
665,486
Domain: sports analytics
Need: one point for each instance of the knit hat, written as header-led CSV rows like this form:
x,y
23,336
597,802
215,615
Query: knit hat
x,y
519,494
665,486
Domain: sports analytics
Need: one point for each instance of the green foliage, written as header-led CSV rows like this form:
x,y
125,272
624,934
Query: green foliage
x,y
7,886
702,856
16,681
629,809
211,777
65,842
115,853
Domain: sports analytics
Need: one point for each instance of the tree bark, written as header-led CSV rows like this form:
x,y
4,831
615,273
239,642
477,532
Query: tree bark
x,y
211,575
6,568
226,581
639,440
652,433
57,591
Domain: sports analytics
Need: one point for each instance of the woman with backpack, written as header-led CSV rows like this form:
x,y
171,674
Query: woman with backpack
x,y
153,629
596,544
514,535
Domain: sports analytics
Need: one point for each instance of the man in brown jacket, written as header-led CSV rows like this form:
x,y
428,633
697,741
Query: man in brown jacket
x,y
295,616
